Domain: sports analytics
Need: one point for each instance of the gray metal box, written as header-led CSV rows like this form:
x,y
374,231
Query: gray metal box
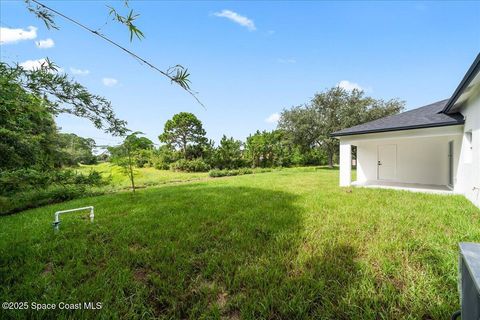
x,y
469,280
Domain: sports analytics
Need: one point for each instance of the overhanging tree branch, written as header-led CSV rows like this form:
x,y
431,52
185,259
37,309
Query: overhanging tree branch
x,y
177,74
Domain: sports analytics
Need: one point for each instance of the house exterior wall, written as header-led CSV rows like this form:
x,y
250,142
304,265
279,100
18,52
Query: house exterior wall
x,y
419,160
345,164
422,154
468,173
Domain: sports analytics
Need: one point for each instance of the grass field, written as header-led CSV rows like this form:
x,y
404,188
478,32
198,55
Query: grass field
x,y
144,177
283,245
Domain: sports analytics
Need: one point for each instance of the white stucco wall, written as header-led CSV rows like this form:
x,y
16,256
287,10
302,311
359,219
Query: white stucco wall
x,y
422,154
468,174
345,164
419,160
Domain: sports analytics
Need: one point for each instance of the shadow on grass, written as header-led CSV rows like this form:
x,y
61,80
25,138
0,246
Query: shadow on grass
x,y
188,252
232,252
224,250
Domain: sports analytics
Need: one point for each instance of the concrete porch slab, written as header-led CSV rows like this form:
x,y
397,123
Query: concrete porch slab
x,y
413,187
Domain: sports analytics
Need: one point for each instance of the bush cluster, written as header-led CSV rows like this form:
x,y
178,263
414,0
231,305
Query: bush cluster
x,y
28,188
25,179
261,150
195,165
161,165
39,197
236,172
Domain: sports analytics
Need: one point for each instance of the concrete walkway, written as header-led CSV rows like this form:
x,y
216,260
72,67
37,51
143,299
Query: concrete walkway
x,y
413,187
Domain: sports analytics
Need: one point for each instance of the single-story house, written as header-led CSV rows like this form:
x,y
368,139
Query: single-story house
x,y
431,148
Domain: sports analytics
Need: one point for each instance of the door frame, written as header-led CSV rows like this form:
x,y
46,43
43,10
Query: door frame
x,y
378,161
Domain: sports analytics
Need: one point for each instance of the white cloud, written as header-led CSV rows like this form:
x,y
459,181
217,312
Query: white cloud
x,y
349,86
235,17
273,118
286,60
79,72
8,35
33,64
45,44
109,82
37,64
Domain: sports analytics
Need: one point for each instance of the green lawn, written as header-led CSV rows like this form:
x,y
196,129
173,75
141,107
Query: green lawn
x,y
144,177
283,245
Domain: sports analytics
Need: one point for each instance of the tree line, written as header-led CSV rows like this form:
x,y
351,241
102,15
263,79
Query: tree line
x,y
31,98
30,138
185,147
302,137
36,156
310,126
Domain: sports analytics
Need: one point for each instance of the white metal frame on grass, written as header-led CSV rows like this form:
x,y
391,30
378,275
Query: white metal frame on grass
x,y
56,223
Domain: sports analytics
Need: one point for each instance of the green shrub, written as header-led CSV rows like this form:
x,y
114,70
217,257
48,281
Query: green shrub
x,y
232,172
196,165
28,188
94,178
35,198
21,180
160,165
163,157
215,173
143,158
245,171
237,172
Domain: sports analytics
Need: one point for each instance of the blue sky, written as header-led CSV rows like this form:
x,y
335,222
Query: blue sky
x,y
253,60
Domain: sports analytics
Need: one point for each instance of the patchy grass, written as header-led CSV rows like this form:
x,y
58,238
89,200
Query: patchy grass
x,y
283,245
144,177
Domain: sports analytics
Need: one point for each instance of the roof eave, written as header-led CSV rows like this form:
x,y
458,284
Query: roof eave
x,y
422,126
471,73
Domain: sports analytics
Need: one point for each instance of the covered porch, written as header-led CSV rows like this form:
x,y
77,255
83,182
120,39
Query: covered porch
x,y
419,160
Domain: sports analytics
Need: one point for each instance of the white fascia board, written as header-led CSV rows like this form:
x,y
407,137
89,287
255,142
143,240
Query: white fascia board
x,y
453,130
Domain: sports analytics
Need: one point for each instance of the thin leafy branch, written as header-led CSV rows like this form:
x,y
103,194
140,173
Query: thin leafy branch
x,y
60,94
43,14
180,75
127,21
176,74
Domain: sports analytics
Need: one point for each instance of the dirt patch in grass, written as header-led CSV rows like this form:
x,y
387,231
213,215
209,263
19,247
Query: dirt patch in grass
x,y
140,275
122,213
214,290
233,315
222,299
135,247
48,269
199,284
398,283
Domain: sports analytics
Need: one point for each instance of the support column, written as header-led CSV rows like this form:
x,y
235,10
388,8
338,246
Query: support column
x,y
345,164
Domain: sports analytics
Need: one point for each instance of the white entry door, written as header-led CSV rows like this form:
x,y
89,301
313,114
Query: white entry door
x,y
387,162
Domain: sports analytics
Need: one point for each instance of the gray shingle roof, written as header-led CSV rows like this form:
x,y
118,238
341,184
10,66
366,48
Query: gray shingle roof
x,y
424,117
